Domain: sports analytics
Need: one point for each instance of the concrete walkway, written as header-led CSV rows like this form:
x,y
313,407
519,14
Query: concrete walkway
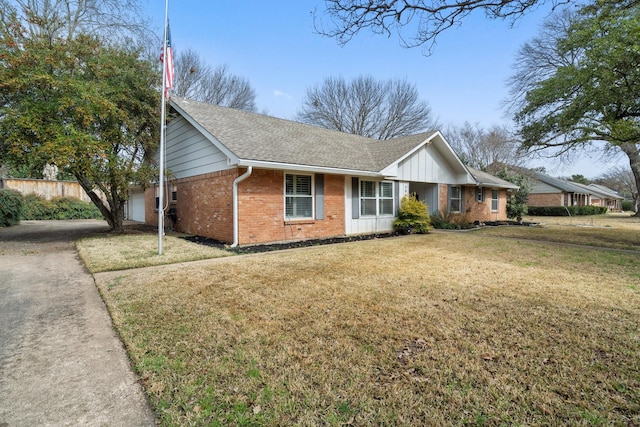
x,y
61,363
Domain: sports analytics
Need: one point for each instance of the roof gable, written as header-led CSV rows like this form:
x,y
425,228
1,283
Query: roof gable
x,y
255,139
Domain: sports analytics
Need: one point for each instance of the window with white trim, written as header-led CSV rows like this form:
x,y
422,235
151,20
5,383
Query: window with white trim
x,y
494,200
376,198
298,196
480,194
455,198
385,202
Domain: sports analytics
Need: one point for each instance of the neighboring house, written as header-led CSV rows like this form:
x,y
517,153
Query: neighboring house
x,y
550,191
248,178
603,196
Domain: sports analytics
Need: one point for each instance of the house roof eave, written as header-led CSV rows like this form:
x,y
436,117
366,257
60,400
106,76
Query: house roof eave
x,y
306,168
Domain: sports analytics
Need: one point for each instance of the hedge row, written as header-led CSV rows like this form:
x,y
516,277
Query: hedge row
x,y
58,208
566,210
10,207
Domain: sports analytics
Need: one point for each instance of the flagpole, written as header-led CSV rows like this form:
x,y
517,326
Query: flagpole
x,y
162,131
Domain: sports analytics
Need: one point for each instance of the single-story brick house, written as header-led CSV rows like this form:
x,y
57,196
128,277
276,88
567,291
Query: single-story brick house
x,y
248,178
605,197
550,191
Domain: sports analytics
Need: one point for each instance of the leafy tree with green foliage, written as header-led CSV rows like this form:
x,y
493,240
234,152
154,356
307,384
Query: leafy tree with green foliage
x,y
517,199
580,83
580,179
89,107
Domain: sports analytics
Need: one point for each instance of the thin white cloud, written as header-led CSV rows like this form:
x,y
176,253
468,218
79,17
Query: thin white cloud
x,y
280,94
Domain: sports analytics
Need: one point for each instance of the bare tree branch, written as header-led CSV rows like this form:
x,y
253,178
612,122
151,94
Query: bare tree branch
x,y
486,149
195,79
112,20
423,19
367,107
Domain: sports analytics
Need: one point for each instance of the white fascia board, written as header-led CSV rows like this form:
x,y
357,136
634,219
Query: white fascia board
x,y
391,170
231,157
495,185
305,168
452,156
410,152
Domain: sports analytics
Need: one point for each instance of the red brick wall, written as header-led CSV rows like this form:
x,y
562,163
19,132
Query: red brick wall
x,y
204,205
261,210
546,199
205,208
473,210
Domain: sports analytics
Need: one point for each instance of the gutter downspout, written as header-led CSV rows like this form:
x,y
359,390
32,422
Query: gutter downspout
x,y
237,181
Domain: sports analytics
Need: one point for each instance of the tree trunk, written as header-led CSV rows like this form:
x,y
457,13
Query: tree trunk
x,y
114,217
633,152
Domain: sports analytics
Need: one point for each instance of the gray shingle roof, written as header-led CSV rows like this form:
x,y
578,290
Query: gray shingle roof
x,y
606,191
560,184
487,180
263,138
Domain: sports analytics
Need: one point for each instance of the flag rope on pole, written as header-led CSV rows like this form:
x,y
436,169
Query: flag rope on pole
x,y
167,81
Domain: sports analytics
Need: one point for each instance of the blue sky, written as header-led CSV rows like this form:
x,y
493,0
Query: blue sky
x,y
273,44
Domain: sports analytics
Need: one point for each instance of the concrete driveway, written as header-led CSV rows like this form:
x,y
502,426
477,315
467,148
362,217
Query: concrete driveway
x,y
61,363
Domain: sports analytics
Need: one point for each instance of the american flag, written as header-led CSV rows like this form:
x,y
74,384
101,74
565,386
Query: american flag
x,y
168,83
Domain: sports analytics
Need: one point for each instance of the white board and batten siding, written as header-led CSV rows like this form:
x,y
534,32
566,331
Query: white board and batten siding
x,y
367,224
190,153
426,165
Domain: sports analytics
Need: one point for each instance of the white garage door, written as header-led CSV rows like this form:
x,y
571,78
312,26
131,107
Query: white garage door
x,y
136,203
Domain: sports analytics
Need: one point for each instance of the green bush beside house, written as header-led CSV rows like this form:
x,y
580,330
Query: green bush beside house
x,y
413,216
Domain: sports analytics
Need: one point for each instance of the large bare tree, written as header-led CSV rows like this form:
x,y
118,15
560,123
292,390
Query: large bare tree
x,y
488,149
112,20
195,79
621,179
368,107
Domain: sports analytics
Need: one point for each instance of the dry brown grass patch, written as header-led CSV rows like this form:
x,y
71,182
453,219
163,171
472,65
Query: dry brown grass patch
x,y
419,330
136,250
616,231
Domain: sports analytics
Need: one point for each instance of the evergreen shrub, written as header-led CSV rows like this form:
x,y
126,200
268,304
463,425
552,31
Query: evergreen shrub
x,y
59,208
566,210
413,216
11,203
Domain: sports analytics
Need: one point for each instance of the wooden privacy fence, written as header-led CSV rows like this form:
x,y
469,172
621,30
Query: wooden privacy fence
x,y
46,189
